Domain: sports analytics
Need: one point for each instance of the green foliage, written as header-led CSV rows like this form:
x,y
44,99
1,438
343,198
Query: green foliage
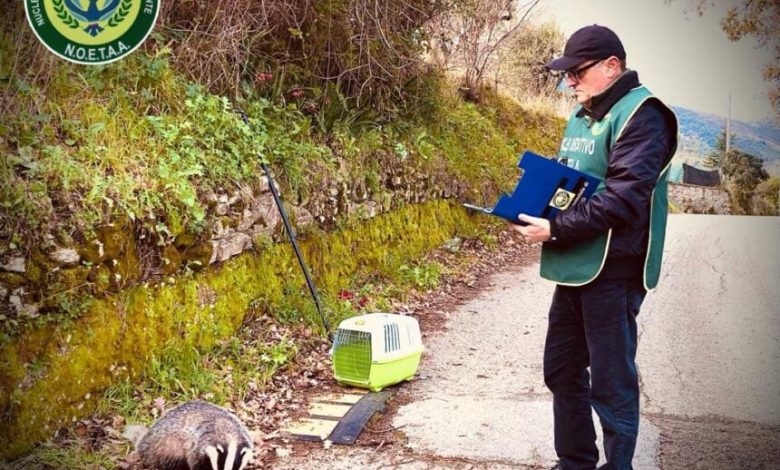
x,y
332,111
146,157
252,364
178,376
766,197
523,129
741,172
86,164
72,458
226,372
424,276
715,158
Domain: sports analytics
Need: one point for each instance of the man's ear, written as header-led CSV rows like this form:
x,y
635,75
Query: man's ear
x,y
613,67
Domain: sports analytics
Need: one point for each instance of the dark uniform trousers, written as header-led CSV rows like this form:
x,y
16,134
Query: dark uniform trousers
x,y
594,325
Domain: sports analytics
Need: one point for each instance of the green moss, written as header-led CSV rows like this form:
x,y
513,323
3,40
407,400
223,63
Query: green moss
x,y
100,277
197,255
64,280
120,334
38,266
12,280
185,240
92,252
114,237
171,260
524,130
125,267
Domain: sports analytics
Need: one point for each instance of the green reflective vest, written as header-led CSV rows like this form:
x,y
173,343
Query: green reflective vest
x,y
586,146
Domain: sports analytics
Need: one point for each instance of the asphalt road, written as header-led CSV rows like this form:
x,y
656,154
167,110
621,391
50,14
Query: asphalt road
x,y
710,336
709,351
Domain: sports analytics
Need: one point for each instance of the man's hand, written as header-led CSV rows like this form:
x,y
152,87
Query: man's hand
x,y
537,230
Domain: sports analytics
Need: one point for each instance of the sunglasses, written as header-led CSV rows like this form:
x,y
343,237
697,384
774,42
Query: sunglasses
x,y
576,75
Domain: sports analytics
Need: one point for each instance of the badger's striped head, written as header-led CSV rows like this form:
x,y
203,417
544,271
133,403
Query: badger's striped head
x,y
234,456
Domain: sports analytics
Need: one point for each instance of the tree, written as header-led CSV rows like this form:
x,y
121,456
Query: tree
x,y
759,19
715,159
766,197
471,34
527,56
743,173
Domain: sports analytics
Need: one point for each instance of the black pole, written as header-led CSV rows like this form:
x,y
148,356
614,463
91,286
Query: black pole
x,y
291,233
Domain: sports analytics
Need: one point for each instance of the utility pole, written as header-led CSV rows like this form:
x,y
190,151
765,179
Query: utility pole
x,y
728,127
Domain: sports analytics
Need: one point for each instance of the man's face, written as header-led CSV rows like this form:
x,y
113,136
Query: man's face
x,y
591,78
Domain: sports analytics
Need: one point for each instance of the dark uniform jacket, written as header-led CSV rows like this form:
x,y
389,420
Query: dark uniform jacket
x,y
635,161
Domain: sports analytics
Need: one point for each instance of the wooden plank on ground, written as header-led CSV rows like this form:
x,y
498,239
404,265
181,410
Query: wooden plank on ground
x,y
309,429
349,398
328,410
352,423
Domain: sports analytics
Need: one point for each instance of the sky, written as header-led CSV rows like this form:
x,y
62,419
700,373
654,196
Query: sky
x,y
684,59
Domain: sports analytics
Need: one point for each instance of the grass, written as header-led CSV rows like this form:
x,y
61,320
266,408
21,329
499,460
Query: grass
x,y
237,365
64,458
422,275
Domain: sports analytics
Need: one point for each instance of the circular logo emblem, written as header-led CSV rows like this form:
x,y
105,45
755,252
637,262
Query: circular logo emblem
x,y
561,199
92,31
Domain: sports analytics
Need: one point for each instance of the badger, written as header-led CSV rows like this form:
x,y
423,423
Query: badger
x,y
193,436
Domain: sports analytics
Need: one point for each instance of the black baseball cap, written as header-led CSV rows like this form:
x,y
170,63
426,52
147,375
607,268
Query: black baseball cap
x,y
590,42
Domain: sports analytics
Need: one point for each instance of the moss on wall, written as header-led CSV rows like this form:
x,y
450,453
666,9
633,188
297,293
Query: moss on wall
x,y
53,375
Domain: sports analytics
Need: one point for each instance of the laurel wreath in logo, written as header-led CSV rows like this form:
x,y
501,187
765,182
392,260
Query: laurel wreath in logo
x,y
121,13
64,14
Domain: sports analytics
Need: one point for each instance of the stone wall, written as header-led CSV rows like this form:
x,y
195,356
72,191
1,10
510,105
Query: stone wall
x,y
692,199
192,289
54,374
117,256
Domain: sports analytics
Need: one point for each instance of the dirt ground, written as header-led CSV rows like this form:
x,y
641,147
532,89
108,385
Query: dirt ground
x,y
713,442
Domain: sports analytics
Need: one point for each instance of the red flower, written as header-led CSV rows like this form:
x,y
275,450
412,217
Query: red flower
x,y
362,302
264,76
297,93
346,295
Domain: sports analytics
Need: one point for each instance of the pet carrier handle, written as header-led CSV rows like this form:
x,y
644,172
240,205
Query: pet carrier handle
x,y
291,233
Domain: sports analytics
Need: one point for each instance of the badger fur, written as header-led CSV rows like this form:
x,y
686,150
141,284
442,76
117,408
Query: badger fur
x,y
194,436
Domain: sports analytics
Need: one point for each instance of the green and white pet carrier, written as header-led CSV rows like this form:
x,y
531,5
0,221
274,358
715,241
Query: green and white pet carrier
x,y
376,350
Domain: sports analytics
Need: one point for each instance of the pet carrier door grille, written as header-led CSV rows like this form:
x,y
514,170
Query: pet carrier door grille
x,y
392,338
352,354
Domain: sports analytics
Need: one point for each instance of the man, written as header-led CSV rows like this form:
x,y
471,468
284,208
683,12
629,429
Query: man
x,y
603,253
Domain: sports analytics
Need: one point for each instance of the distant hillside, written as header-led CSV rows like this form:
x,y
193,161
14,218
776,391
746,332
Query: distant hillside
x,y
700,131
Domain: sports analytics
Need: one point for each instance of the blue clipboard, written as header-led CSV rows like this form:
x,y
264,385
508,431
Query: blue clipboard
x,y
545,188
